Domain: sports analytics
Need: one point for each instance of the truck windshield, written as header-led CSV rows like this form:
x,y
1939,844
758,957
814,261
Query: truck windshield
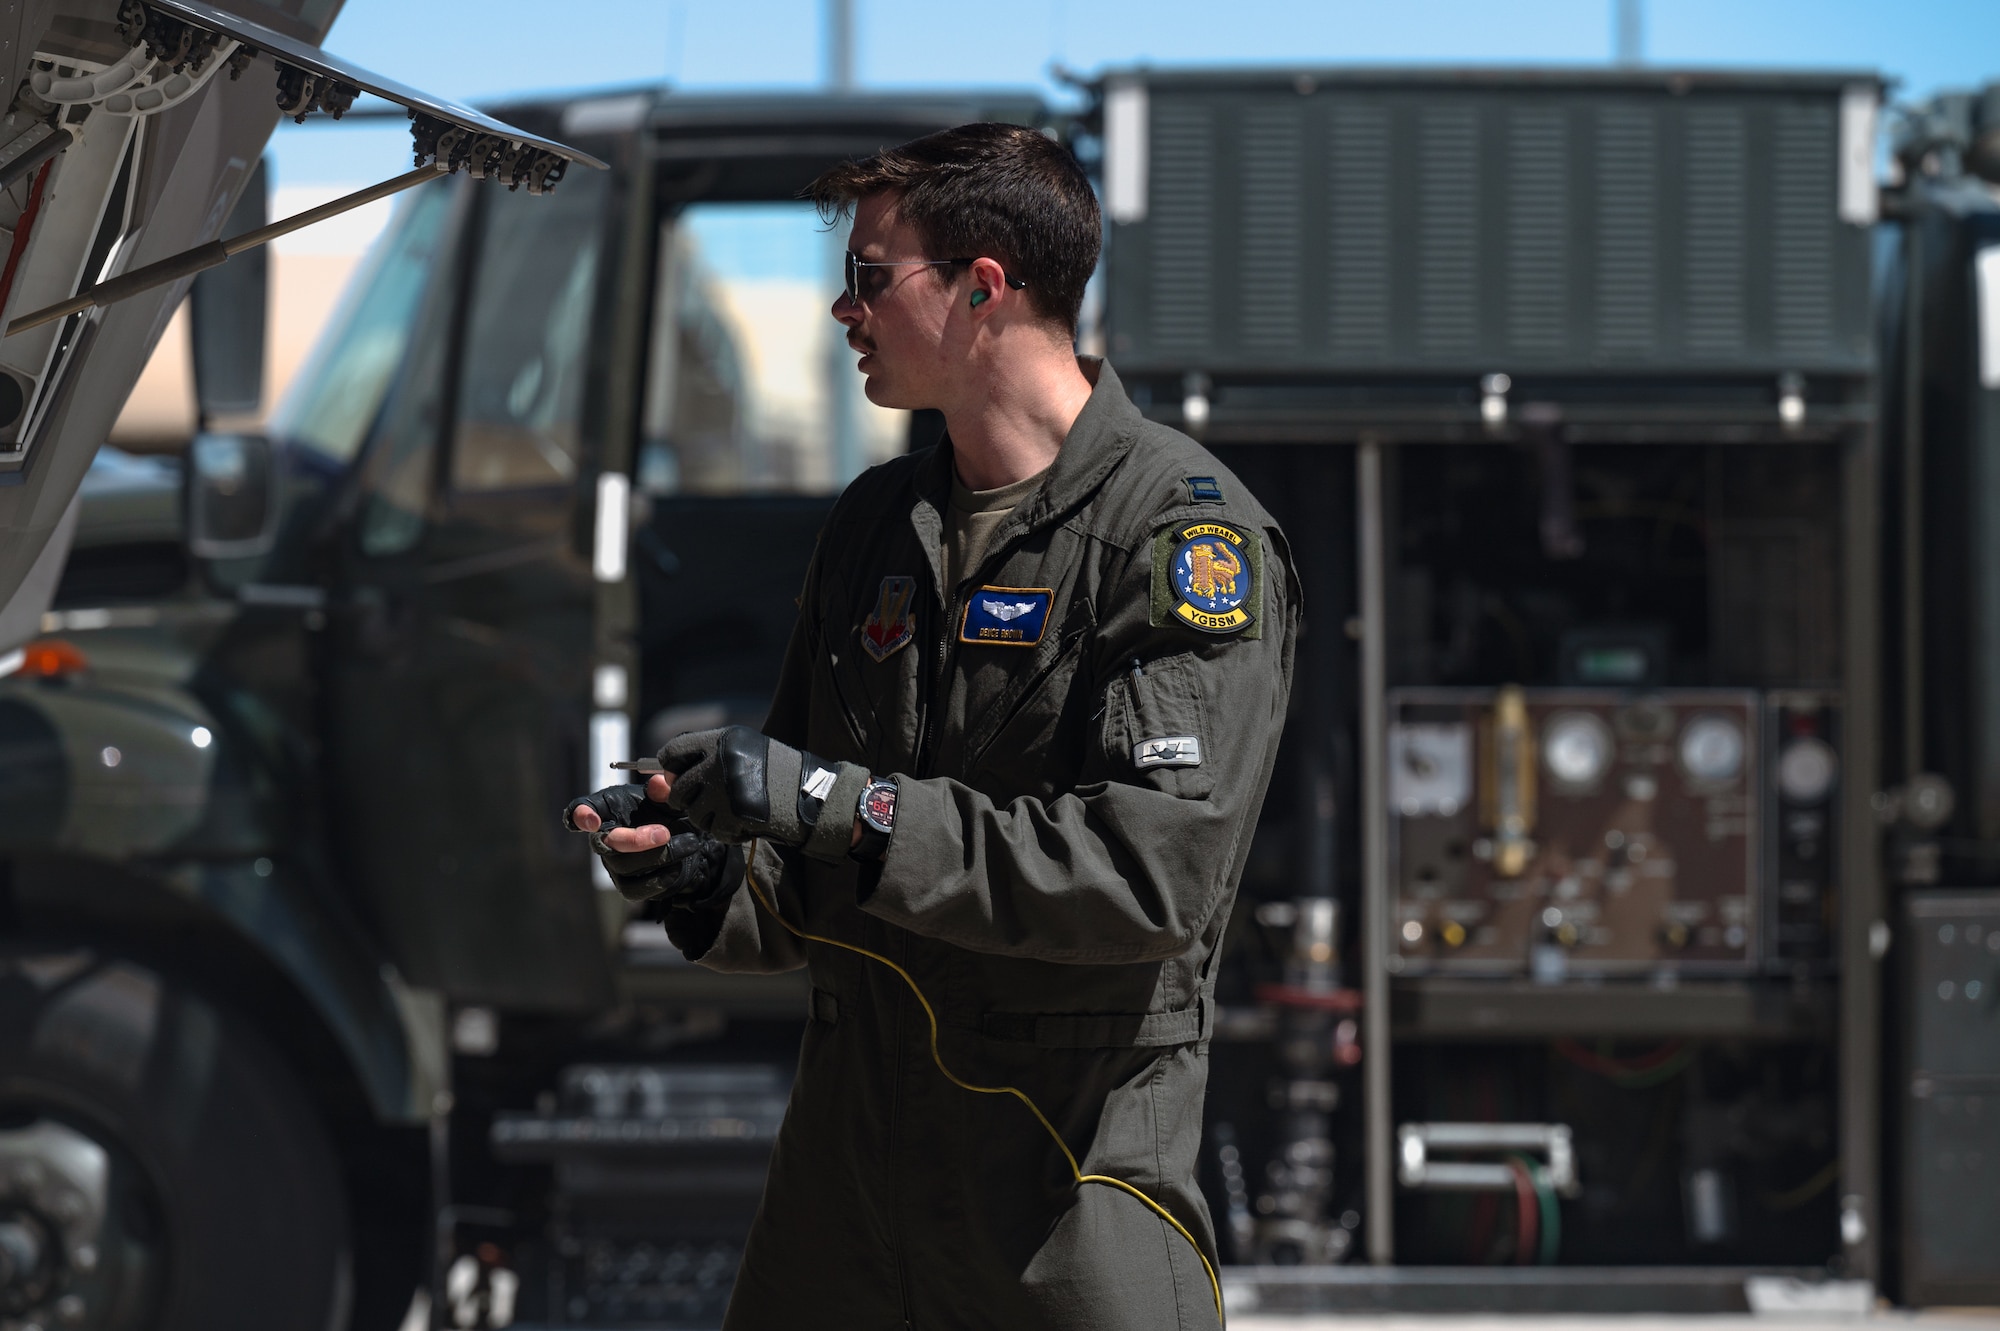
x,y
527,338
750,385
337,396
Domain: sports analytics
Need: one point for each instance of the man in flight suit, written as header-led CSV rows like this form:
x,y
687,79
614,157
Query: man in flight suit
x,y
1024,727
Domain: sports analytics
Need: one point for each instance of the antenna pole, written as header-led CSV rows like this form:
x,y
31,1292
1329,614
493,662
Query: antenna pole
x,y
1628,32
840,45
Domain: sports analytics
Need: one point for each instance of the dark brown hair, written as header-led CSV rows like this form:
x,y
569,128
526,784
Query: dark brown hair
x,y
1002,192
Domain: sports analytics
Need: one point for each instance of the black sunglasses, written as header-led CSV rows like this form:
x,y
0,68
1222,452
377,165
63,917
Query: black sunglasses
x,y
862,287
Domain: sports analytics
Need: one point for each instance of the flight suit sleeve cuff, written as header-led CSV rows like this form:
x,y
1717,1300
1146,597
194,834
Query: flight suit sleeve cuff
x,y
830,837
749,941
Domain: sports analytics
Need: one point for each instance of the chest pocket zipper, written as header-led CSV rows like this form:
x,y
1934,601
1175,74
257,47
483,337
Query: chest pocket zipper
x,y
835,662
1076,627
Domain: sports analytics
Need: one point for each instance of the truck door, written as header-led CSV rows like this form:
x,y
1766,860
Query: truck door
x,y
478,673
458,645
752,422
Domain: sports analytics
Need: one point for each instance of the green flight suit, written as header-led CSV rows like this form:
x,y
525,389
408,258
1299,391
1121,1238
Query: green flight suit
x,y
1057,886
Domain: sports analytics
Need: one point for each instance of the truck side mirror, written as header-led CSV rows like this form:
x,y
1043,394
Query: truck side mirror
x,y
227,310
231,496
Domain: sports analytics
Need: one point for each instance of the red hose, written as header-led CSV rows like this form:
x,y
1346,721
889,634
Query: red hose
x,y
1616,1067
1485,1213
22,229
1287,995
1527,1228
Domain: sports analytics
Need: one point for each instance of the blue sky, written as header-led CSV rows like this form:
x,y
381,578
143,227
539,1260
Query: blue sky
x,y
476,49
748,44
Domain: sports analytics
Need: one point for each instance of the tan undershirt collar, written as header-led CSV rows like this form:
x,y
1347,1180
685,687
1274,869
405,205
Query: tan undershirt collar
x,y
973,517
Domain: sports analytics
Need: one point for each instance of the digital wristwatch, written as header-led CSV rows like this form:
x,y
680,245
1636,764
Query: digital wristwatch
x,y
877,816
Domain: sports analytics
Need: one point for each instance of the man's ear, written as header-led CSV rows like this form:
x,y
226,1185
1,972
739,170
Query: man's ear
x,y
989,282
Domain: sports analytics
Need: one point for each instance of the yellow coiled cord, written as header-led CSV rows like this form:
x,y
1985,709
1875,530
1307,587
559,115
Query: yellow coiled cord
x,y
930,1015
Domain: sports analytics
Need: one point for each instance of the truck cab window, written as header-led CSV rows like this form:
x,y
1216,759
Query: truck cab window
x,y
338,395
527,338
750,386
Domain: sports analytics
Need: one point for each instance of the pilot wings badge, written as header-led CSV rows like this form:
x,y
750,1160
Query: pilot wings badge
x,y
893,623
1006,616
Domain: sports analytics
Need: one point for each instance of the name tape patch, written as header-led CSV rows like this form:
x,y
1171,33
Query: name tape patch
x,y
1006,616
1167,751
1205,577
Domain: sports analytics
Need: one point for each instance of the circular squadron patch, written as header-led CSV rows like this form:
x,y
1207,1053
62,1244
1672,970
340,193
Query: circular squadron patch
x,y
1212,572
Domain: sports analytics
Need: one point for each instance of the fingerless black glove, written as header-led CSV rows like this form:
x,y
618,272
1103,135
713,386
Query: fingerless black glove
x,y
690,865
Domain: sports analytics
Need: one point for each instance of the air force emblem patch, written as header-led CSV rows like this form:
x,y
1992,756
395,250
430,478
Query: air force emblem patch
x,y
1006,616
892,624
1205,576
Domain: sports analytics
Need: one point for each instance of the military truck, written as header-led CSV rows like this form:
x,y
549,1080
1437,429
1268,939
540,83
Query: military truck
x,y
1940,359
309,996
1558,978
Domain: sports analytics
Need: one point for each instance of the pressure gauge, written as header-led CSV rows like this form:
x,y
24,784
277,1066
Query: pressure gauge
x,y
1576,748
1712,749
1806,769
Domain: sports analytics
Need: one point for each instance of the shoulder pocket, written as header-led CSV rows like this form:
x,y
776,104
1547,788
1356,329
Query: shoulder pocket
x,y
1156,729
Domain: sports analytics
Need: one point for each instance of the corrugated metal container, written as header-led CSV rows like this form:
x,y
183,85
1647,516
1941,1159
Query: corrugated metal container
x,y
1402,221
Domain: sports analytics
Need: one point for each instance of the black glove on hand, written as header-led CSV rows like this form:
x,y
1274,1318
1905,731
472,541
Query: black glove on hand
x,y
690,866
736,784
693,920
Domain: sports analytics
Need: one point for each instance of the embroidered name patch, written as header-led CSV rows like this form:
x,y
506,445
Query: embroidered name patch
x,y
892,624
1205,576
1006,616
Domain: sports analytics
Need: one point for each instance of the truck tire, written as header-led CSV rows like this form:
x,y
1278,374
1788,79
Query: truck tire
x,y
178,1177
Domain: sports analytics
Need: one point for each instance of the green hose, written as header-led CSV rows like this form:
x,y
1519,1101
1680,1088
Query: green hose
x,y
1547,1207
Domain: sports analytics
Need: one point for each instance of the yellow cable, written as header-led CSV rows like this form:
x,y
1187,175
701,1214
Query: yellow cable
x,y
1792,1198
930,1015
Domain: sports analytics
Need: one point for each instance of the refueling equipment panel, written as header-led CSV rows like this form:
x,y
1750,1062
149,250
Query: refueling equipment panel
x,y
1558,831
